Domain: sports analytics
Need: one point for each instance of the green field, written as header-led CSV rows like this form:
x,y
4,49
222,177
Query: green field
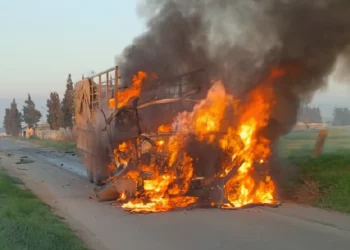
x,y
28,224
329,175
302,142
69,146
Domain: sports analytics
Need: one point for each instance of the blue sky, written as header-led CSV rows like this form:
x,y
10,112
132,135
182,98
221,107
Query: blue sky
x,y
42,41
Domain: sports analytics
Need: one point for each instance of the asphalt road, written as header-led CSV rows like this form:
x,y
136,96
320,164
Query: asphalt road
x,y
103,227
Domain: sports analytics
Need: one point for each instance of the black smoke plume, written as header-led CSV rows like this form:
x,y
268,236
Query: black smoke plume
x,y
238,41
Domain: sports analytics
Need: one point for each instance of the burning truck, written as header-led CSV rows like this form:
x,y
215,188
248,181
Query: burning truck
x,y
203,150
154,138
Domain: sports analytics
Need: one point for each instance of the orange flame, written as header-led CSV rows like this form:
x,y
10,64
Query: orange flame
x,y
125,96
165,128
241,141
122,197
165,192
243,189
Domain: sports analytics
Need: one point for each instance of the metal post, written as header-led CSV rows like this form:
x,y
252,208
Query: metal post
x,y
116,85
107,89
99,91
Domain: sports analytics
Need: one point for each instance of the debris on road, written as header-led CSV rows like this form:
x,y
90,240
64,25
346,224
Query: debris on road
x,y
25,161
112,191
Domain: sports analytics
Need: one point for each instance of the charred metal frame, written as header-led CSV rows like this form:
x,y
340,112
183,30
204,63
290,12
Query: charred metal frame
x,y
96,97
134,107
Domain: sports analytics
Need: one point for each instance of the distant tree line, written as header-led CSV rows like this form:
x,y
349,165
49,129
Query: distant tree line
x,y
309,115
60,113
341,117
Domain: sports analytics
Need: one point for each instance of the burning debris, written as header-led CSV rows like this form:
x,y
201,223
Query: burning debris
x,y
208,140
163,168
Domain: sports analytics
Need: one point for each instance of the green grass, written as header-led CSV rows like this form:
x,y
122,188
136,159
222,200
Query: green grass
x,y
28,224
54,144
302,142
331,171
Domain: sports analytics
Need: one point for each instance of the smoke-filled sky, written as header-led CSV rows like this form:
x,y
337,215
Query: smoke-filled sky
x,y
43,41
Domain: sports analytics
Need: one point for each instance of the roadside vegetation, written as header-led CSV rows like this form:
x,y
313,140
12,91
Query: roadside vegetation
x,y
325,181
27,223
64,146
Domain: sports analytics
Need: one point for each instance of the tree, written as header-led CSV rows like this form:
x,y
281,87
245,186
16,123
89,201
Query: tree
x,y
31,116
309,115
7,122
316,115
67,105
14,119
54,111
341,117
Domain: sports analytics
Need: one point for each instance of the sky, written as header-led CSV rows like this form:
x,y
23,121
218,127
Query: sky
x,y
42,41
